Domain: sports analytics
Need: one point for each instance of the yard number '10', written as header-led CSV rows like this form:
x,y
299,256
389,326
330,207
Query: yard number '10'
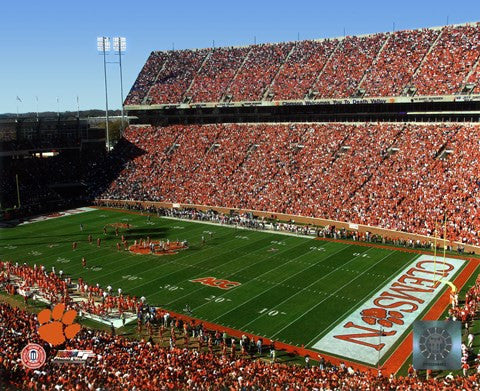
x,y
271,312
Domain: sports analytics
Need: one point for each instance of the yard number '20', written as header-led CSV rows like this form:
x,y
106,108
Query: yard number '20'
x,y
217,283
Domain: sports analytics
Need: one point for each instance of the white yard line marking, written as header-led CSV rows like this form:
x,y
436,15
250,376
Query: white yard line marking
x,y
333,342
332,294
308,286
229,276
360,302
73,265
190,266
185,255
281,282
257,278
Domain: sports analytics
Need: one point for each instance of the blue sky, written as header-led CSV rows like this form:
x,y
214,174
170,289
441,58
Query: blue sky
x,y
49,47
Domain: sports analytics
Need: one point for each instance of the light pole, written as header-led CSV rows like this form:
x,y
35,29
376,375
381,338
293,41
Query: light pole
x,y
103,46
18,100
120,46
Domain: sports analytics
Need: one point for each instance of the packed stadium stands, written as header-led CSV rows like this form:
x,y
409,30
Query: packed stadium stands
x,y
429,61
400,176
176,75
300,70
449,61
403,53
216,74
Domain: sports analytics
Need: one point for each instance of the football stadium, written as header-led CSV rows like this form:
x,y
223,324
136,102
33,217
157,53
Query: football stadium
x,y
271,216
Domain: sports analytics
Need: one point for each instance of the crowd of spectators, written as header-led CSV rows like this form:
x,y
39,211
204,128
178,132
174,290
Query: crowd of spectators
x,y
175,76
432,61
475,77
206,360
258,71
400,176
344,72
449,62
299,72
55,287
217,73
146,78
398,61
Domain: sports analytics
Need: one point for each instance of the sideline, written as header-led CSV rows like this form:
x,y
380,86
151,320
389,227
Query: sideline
x,y
269,231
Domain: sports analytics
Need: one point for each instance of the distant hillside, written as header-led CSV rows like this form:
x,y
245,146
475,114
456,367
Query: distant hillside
x,y
64,114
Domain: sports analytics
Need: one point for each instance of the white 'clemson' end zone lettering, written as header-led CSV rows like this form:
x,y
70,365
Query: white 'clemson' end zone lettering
x,y
371,330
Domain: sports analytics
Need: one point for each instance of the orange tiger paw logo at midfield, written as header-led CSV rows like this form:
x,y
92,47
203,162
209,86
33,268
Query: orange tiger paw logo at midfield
x,y
56,326
380,316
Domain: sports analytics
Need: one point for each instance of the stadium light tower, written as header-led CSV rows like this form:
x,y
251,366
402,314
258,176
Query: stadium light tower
x,y
119,47
103,47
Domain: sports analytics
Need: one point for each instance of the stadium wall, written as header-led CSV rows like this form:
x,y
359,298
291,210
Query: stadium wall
x,y
361,111
360,228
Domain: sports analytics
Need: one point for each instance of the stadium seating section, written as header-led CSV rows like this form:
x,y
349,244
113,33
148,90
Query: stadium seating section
x,y
122,363
401,176
35,178
431,61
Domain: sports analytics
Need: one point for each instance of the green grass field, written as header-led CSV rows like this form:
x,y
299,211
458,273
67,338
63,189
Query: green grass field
x,y
294,294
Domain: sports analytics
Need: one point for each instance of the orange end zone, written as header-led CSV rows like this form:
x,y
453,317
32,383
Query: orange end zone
x,y
393,363
404,350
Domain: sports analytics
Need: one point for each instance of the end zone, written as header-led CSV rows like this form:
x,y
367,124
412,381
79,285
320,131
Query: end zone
x,y
368,333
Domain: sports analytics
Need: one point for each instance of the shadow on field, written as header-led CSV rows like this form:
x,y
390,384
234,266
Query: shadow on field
x,y
154,233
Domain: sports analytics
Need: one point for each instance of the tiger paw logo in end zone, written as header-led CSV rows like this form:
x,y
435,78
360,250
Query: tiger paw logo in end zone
x,y
33,356
381,316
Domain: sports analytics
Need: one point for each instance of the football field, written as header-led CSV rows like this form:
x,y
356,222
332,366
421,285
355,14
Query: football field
x,y
286,288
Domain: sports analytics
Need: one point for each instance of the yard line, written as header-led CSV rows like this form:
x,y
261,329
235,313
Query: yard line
x,y
281,282
34,230
197,263
361,301
244,228
308,286
332,294
33,227
68,253
173,261
260,261
55,253
184,256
